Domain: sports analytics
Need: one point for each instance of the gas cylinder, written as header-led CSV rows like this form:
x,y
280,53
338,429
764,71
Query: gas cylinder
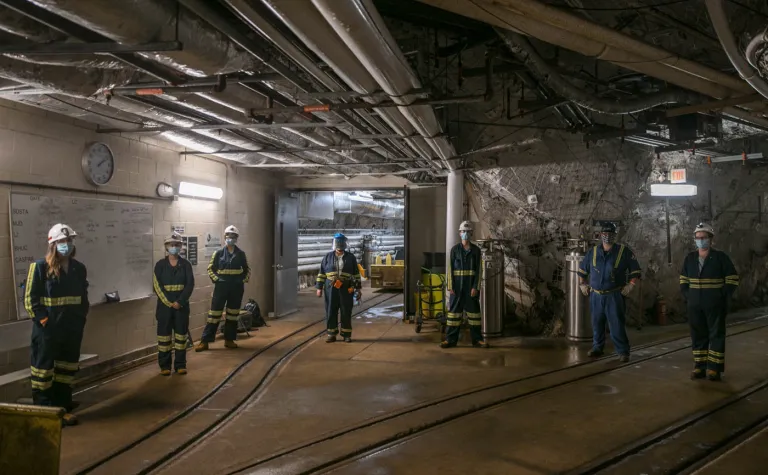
x,y
661,310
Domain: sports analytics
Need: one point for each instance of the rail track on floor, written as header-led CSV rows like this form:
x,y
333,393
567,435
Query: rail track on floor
x,y
173,436
388,430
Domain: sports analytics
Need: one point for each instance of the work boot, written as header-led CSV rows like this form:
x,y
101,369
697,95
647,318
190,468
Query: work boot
x,y
181,371
447,344
623,358
698,373
69,420
165,372
330,338
713,375
594,353
480,344
202,346
347,339
230,344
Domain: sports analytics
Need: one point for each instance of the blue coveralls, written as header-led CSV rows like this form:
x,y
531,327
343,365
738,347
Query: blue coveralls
x,y
463,273
229,272
339,300
607,273
63,301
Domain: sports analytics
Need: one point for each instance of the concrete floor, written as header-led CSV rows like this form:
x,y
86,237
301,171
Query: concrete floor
x,y
330,389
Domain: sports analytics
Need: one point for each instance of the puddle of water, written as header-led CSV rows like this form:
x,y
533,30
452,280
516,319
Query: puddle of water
x,y
391,311
605,389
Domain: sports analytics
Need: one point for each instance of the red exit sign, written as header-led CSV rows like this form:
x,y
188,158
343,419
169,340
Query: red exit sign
x,y
677,175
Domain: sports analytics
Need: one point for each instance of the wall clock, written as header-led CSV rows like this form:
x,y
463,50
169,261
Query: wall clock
x,y
98,163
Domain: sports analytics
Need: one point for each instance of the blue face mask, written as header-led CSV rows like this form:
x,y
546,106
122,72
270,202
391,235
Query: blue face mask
x,y
702,243
231,241
464,236
64,248
174,251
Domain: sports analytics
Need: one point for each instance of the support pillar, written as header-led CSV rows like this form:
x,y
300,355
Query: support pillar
x,y
454,210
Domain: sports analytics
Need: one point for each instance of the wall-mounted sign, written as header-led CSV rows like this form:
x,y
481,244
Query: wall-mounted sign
x,y
189,249
677,175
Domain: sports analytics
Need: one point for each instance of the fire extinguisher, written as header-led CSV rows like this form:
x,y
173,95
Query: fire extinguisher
x,y
661,310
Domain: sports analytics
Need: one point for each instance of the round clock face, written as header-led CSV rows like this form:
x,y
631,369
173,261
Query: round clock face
x,y
98,163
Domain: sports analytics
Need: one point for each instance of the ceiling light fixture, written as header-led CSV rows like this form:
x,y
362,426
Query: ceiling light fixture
x,y
196,190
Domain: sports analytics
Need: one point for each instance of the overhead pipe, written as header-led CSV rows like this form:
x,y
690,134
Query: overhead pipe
x,y
548,76
312,29
700,78
720,23
756,47
359,25
21,25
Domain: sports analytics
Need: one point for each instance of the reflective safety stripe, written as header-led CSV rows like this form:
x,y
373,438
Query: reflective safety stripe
x,y
179,346
333,331
594,257
635,272
215,313
707,286
164,349
609,291
164,338
230,271
42,385
28,290
211,274
346,330
715,360
181,338
700,359
618,258
64,378
464,273
233,311
158,292
453,320
732,280
716,353
41,373
474,319
214,320
59,301
684,280
700,352
173,288
582,272
66,365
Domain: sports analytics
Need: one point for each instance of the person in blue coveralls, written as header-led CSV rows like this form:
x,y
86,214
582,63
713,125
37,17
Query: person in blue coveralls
x,y
608,273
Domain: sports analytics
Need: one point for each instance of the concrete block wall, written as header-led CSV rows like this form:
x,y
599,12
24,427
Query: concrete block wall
x,y
39,147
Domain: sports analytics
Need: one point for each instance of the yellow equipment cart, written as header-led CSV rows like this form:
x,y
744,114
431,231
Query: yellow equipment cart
x,y
431,294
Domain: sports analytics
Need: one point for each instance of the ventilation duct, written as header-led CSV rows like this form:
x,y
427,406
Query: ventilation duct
x,y
21,25
206,52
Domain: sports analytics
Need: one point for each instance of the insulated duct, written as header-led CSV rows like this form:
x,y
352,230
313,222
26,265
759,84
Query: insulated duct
x,y
548,76
720,23
206,52
359,25
312,29
21,25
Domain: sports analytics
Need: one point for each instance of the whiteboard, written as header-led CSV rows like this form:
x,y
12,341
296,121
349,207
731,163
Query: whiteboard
x,y
114,241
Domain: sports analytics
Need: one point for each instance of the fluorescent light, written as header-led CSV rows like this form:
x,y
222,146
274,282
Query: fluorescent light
x,y
668,189
360,198
200,191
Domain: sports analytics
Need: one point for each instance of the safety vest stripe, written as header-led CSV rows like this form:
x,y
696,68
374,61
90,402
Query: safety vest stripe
x,y
707,286
705,281
618,258
66,365
464,273
28,290
41,373
230,271
684,279
594,256
211,274
59,301
173,288
160,294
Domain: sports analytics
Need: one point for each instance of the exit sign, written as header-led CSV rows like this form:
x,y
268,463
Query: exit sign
x,y
677,175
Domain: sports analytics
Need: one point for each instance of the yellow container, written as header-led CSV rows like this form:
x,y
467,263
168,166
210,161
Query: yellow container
x,y
31,439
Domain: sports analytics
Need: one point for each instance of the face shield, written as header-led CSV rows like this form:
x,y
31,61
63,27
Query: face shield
x,y
339,244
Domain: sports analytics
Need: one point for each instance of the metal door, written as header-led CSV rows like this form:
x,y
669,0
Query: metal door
x,y
286,252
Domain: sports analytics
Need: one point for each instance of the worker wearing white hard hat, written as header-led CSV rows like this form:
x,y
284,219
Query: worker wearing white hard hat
x,y
708,279
463,276
173,281
229,272
56,299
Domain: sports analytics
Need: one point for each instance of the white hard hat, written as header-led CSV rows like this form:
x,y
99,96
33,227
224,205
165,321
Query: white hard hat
x,y
173,238
60,231
465,226
704,227
231,230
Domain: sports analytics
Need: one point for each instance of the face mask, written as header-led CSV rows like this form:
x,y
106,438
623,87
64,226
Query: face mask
x,y
702,243
339,245
609,238
231,241
64,248
464,236
174,251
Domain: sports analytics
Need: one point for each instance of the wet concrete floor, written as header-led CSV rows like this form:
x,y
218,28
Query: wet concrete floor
x,y
327,388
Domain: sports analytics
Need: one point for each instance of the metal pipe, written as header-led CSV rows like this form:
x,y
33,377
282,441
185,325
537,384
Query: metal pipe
x,y
752,48
454,210
312,108
227,126
720,23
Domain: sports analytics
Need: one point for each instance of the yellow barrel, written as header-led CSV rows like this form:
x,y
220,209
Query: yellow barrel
x,y
30,440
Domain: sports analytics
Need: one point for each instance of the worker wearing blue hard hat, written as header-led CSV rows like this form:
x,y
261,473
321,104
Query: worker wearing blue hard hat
x,y
339,276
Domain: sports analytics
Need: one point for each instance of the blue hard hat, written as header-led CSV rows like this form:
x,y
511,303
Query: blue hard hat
x,y
339,236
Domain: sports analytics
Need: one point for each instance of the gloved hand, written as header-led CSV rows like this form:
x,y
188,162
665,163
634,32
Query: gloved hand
x,y
584,289
627,289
